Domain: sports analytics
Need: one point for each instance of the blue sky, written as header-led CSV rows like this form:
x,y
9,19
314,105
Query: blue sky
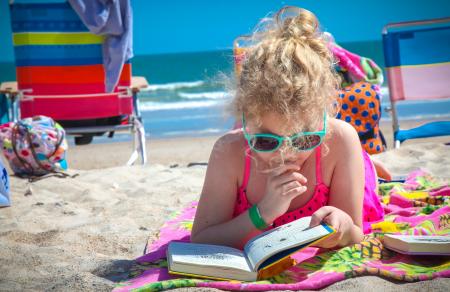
x,y
182,26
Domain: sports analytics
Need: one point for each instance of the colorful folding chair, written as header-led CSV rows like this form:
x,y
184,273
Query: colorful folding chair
x,y
60,74
417,57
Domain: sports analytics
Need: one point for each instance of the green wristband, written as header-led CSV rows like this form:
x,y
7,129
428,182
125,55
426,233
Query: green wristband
x,y
256,218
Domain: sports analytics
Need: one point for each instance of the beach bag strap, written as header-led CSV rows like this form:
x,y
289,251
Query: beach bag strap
x,y
24,163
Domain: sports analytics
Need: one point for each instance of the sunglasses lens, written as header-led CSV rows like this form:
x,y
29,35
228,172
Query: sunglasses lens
x,y
306,142
264,143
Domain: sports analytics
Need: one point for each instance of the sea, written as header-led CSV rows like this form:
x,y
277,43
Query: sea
x,y
188,96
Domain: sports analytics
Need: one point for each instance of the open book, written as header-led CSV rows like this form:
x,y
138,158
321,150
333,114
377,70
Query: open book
x,y
260,252
418,244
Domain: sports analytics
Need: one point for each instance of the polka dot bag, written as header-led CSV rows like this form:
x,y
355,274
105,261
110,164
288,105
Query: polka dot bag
x,y
360,106
34,146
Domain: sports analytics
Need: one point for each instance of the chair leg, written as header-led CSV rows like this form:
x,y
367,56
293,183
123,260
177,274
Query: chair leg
x,y
4,109
395,124
138,143
133,158
13,107
141,142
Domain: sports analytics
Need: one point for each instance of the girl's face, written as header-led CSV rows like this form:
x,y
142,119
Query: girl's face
x,y
272,123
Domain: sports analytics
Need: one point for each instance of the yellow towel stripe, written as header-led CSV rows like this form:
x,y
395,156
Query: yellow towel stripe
x,y
415,195
50,38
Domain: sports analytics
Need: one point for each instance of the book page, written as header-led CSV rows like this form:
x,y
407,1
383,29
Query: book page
x,y
207,255
426,239
296,233
418,244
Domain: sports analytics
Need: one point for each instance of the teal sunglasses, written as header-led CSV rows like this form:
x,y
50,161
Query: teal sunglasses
x,y
303,141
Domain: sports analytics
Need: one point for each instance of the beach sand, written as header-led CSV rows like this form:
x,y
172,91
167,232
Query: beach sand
x,y
82,233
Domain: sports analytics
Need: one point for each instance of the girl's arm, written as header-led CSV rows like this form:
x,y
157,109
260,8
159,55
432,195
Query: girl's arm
x,y
214,222
346,189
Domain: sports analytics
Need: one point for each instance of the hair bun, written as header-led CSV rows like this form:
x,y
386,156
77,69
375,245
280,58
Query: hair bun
x,y
295,22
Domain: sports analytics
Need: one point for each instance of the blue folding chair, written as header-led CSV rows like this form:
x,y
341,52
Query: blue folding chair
x,y
417,57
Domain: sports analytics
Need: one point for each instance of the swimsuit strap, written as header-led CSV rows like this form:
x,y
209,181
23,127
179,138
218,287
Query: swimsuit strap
x,y
318,168
248,162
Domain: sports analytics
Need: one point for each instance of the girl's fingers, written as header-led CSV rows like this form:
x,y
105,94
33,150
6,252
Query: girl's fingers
x,y
292,193
291,176
288,186
274,172
319,215
333,221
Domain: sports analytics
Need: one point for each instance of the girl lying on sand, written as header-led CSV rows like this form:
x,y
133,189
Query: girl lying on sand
x,y
291,158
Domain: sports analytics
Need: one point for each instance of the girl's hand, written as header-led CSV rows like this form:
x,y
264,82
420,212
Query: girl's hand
x,y
339,220
283,184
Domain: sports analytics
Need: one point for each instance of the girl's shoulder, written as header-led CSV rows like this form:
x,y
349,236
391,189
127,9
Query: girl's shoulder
x,y
231,140
342,139
340,131
230,146
227,157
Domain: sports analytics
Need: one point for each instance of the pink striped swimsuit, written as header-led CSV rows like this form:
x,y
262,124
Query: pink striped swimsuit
x,y
372,209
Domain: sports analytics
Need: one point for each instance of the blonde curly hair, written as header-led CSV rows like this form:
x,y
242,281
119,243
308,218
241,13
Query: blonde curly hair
x,y
288,69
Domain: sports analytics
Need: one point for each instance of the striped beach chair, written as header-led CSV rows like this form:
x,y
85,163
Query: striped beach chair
x,y
59,70
417,57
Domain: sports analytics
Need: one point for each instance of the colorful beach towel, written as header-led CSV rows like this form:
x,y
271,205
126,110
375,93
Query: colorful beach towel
x,y
420,205
355,68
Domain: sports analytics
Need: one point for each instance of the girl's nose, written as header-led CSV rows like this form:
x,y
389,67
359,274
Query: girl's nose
x,y
286,151
286,147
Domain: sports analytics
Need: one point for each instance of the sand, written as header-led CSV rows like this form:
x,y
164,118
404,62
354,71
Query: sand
x,y
82,233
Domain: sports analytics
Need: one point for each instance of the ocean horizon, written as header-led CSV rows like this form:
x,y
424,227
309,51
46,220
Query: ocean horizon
x,y
187,95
